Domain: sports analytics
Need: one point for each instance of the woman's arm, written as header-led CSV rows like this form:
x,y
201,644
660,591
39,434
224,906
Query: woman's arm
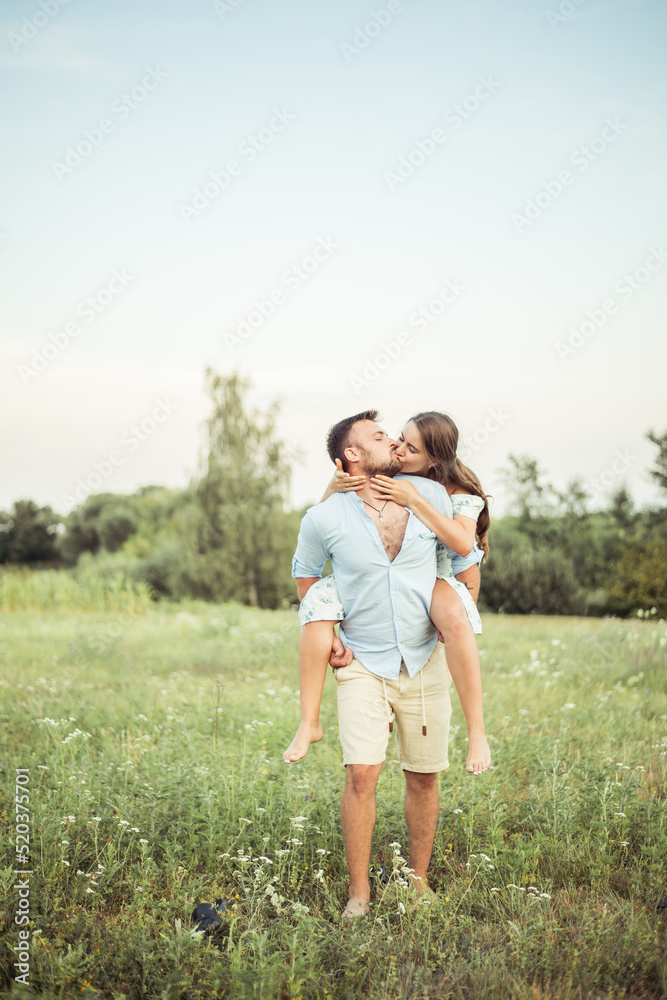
x,y
342,482
458,533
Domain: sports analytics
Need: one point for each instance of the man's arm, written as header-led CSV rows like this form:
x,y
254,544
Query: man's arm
x,y
466,569
303,585
310,556
309,559
470,578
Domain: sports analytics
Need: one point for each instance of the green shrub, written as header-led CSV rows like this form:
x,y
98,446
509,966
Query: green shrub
x,y
637,581
521,579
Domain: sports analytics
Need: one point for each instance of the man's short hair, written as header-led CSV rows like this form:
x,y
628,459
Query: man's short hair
x,y
339,437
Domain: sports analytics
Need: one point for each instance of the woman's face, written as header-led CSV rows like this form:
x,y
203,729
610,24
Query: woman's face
x,y
409,449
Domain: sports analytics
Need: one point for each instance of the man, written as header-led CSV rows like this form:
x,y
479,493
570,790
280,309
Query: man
x,y
384,561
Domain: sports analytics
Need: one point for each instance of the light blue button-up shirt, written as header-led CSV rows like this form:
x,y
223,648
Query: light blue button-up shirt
x,y
386,603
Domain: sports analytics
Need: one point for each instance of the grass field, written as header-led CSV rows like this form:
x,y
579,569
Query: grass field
x,y
152,738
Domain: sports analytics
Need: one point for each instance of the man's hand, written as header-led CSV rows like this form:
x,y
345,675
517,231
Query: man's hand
x,y
341,656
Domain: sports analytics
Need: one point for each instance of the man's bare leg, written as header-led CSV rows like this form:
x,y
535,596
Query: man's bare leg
x,y
421,814
357,813
315,641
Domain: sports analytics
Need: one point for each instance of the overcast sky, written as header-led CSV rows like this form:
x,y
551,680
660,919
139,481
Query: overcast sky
x,y
408,205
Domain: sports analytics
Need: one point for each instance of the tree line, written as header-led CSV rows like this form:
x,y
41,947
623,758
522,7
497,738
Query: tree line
x,y
230,535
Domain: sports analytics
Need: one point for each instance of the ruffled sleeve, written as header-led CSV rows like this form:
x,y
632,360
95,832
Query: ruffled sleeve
x,y
467,505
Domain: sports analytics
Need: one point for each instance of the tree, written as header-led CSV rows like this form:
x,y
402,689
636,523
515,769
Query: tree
x,y
659,472
573,501
638,579
29,533
530,497
621,508
115,525
522,578
240,536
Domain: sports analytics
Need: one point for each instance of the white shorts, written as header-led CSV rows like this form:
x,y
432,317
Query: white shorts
x,y
364,714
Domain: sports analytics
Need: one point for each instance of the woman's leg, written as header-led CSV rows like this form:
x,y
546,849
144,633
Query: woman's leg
x,y
314,651
449,616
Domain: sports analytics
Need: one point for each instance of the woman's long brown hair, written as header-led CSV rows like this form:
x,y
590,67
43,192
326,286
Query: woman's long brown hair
x,y
441,438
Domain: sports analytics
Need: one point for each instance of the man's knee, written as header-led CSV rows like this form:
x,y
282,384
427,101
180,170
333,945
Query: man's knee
x,y
362,778
421,783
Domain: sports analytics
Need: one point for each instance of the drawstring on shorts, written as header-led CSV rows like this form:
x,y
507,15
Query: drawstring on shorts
x,y
421,677
386,702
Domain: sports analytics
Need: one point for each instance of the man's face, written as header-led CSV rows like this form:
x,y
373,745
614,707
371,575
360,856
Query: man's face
x,y
374,448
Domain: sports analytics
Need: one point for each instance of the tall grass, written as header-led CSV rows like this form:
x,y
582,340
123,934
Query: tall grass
x,y
157,782
23,589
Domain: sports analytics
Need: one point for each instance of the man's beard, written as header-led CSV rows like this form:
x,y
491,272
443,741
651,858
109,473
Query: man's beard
x,y
372,466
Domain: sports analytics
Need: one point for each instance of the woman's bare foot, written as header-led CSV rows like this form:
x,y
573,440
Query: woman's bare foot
x,y
479,755
357,906
307,733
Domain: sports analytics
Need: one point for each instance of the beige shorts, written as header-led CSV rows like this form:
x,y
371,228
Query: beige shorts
x,y
363,714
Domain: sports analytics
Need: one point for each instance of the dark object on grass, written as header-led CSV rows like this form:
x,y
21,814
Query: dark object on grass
x,y
378,872
662,903
207,917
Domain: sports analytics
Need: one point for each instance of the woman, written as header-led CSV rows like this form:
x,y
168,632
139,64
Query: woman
x,y
426,447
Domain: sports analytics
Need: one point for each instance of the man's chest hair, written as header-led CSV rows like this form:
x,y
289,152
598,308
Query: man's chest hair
x,y
392,531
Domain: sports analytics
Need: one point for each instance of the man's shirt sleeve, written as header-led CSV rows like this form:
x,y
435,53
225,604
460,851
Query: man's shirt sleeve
x,y
311,553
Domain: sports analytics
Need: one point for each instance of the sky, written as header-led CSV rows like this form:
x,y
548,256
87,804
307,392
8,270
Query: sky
x,y
404,205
